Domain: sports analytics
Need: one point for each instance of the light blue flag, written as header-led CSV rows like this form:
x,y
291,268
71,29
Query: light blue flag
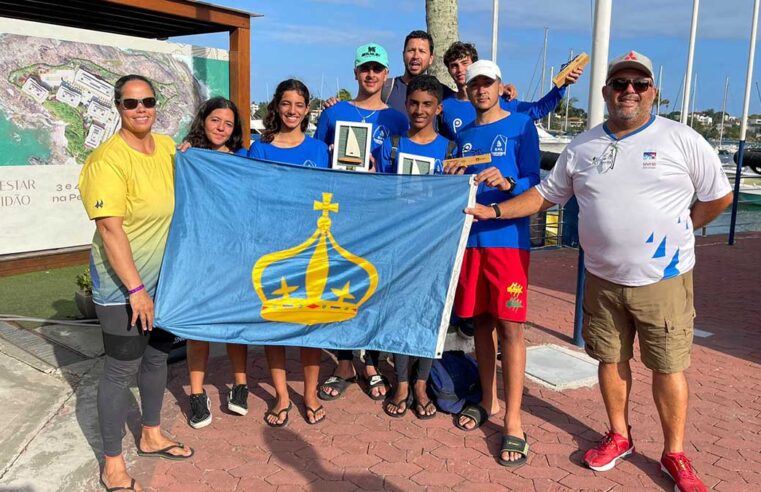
x,y
274,254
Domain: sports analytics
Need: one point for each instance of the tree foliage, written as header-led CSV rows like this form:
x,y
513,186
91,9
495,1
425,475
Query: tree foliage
x,y
344,95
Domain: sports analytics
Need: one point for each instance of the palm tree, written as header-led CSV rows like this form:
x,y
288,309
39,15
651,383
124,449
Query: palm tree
x,y
441,21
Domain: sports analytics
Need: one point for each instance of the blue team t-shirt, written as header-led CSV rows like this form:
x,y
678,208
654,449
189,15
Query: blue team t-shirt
x,y
458,114
386,122
514,147
436,149
309,153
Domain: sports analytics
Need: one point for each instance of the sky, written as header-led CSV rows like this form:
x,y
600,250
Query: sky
x,y
314,40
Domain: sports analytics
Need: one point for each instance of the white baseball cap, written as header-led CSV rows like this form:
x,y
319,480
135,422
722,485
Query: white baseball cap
x,y
487,68
632,59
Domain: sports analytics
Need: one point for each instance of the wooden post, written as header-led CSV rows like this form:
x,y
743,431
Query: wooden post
x,y
240,79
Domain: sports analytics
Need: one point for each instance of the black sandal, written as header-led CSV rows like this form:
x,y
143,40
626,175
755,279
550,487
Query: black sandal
x,y
391,403
131,486
424,415
164,453
376,381
512,444
337,383
277,416
314,414
476,413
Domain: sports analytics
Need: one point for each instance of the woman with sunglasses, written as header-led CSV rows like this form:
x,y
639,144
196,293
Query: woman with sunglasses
x,y
216,126
283,140
128,189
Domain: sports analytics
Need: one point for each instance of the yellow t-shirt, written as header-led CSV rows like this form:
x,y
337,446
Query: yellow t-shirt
x,y
118,181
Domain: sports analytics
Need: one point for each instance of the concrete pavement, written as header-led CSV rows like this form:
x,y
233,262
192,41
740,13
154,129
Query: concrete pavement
x,y
359,447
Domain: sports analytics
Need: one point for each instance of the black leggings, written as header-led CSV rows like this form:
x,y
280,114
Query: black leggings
x,y
372,357
421,367
129,352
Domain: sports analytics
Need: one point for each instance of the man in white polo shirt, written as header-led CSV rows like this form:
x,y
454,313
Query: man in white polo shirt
x,y
635,177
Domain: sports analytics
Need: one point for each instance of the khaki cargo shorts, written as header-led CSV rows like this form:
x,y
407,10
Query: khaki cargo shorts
x,y
660,314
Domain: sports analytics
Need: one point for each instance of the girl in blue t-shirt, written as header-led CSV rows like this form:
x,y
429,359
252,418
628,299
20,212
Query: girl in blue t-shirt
x,y
283,140
216,126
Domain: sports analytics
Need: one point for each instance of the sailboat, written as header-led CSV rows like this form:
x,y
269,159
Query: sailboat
x,y
352,153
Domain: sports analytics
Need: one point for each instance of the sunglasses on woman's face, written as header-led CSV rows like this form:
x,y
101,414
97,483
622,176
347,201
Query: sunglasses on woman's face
x,y
147,102
620,85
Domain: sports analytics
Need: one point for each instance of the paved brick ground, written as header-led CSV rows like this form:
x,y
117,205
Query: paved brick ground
x,y
359,447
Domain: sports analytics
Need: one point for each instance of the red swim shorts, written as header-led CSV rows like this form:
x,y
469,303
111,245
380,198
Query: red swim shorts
x,y
494,281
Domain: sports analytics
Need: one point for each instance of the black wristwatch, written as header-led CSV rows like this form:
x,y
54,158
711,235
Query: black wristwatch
x,y
497,211
512,183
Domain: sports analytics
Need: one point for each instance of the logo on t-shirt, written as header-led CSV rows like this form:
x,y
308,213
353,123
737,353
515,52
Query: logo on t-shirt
x,y
467,148
648,160
308,163
457,123
380,134
499,146
99,204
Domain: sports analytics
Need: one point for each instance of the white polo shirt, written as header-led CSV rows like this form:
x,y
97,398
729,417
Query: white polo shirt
x,y
634,197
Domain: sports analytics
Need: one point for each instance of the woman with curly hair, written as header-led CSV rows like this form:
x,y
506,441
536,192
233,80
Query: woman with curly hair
x,y
216,126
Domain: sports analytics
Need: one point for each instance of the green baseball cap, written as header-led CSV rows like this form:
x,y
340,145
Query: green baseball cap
x,y
371,52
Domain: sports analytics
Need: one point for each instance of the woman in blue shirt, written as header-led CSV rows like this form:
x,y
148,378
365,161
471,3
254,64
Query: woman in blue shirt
x,y
284,140
216,126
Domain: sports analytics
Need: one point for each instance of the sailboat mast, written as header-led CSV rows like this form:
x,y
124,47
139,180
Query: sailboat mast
x,y
567,99
494,29
544,63
690,56
549,115
694,97
723,111
660,85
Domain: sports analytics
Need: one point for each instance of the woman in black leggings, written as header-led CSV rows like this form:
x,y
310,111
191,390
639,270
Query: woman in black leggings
x,y
127,187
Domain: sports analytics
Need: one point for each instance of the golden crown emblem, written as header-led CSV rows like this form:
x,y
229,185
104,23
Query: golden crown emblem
x,y
314,305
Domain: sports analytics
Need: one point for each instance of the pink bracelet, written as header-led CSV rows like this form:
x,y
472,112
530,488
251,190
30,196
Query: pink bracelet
x,y
137,289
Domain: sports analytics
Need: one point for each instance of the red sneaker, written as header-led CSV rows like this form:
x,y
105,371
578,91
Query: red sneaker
x,y
611,448
679,469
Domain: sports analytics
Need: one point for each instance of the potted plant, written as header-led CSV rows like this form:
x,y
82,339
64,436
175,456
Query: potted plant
x,y
83,297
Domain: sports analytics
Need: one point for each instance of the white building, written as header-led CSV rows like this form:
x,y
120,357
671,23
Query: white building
x,y
95,135
99,112
99,87
34,89
68,95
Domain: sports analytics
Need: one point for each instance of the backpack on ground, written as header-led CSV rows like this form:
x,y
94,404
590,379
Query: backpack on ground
x,y
454,381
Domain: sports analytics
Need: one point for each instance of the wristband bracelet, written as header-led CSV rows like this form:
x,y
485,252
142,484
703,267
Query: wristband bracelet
x,y
137,289
497,211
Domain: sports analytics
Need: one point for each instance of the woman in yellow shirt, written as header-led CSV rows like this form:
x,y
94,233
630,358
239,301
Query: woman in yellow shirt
x,y
127,187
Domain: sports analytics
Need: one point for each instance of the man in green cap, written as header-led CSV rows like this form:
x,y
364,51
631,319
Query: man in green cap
x,y
371,71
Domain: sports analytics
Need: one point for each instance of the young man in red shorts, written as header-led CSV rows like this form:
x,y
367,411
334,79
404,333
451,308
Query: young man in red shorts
x,y
494,278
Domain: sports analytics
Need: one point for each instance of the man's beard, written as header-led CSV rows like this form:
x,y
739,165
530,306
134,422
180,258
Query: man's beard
x,y
626,114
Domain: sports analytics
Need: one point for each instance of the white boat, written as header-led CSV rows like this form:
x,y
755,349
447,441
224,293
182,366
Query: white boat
x,y
352,153
551,143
